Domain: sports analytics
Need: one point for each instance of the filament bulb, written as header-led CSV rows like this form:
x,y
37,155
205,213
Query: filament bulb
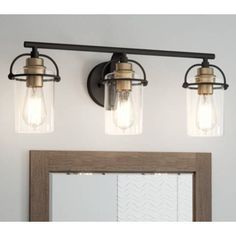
x,y
124,116
34,110
206,113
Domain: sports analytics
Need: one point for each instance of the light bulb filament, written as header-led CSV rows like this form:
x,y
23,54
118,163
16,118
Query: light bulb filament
x,y
124,116
34,110
206,113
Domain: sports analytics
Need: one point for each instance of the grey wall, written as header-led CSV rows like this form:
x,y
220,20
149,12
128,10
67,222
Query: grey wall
x,y
79,122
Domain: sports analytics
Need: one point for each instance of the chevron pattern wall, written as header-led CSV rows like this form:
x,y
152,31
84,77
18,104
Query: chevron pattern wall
x,y
159,197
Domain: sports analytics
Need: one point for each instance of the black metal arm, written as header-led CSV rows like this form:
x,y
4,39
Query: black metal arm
x,y
91,48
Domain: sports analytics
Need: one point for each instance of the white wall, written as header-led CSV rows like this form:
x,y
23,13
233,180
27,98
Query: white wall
x,y
79,122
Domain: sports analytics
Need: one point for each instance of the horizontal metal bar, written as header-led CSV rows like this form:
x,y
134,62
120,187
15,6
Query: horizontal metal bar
x,y
90,48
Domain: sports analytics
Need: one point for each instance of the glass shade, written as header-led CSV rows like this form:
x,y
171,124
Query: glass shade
x,y
205,113
123,109
34,108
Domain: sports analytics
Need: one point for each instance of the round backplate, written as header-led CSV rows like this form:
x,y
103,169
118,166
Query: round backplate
x,y
95,88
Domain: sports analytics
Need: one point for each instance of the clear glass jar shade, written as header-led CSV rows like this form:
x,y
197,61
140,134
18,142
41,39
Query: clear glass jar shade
x,y
123,109
34,108
205,113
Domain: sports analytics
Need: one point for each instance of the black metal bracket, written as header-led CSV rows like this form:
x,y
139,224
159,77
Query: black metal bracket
x,y
215,85
34,53
94,85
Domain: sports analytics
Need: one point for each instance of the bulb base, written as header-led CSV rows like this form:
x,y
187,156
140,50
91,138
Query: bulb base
x,y
123,71
34,66
205,75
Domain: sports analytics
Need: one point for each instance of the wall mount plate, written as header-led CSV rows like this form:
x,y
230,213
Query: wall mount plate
x,y
94,86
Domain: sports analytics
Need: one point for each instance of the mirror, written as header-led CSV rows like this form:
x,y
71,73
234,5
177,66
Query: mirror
x,y
119,186
121,197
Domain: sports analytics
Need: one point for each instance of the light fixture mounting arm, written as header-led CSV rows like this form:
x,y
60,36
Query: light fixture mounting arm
x,y
103,49
34,53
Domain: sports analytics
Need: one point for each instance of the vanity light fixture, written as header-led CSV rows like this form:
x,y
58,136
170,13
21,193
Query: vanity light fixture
x,y
205,96
115,85
34,94
123,97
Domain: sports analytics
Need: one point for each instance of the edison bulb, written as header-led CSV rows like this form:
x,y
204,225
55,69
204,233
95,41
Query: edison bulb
x,y
124,115
206,113
34,110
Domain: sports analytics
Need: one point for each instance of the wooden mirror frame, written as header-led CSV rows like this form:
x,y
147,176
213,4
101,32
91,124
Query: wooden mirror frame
x,y
42,163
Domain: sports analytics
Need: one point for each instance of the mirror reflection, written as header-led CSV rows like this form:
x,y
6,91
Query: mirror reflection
x,y
120,197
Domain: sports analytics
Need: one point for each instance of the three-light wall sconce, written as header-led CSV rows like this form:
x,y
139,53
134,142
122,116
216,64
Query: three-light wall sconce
x,y
118,88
